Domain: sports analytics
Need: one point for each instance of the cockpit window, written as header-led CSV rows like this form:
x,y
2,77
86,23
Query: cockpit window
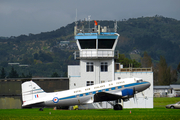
x,y
139,81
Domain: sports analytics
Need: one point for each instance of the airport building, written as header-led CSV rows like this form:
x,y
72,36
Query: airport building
x,y
97,64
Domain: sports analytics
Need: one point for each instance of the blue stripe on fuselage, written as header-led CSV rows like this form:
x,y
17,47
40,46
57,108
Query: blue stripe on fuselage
x,y
107,89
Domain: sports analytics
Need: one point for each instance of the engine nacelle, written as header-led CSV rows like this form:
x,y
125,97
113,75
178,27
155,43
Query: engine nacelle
x,y
127,92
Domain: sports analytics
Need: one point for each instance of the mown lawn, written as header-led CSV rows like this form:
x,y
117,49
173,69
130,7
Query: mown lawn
x,y
162,102
159,112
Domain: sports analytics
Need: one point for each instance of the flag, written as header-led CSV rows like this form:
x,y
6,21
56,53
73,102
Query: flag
x,y
95,22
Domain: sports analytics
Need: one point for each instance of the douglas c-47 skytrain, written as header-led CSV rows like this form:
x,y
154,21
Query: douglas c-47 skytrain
x,y
119,90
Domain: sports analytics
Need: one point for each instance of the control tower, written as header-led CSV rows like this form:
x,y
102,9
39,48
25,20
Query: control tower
x,y
96,54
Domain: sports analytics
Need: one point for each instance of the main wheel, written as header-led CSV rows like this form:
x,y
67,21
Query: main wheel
x,y
118,107
41,109
172,107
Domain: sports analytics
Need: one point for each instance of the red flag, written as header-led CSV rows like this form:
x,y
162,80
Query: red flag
x,y
95,22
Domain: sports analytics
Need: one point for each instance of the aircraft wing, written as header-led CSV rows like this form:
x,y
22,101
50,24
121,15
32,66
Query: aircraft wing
x,y
103,96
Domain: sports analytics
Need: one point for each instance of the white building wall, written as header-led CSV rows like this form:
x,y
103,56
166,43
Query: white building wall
x,y
142,101
78,74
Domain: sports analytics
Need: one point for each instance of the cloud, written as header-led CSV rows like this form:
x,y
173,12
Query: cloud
x,y
32,16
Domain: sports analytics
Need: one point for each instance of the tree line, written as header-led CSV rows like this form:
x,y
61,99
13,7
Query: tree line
x,y
13,74
162,73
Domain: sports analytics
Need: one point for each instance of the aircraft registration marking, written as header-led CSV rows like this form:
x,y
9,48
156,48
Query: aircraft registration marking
x,y
101,86
77,91
120,82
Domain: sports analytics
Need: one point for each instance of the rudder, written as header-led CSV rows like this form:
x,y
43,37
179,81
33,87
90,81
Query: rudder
x,y
31,91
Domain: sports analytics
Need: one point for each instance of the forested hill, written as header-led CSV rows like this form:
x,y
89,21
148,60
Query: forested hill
x,y
45,53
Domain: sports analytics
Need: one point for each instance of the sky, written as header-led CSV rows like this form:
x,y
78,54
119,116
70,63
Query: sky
x,y
21,17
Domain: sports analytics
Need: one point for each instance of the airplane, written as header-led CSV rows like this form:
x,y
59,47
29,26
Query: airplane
x,y
118,90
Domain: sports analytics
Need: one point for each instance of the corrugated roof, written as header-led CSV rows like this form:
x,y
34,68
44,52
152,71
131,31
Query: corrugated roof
x,y
175,87
161,87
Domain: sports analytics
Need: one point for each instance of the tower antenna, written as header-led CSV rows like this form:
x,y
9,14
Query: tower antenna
x,y
89,18
76,19
115,26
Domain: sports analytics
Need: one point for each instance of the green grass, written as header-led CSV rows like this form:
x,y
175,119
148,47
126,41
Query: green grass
x,y
158,112
161,102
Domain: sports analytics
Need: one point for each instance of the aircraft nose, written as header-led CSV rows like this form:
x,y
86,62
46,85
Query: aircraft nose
x,y
147,84
143,86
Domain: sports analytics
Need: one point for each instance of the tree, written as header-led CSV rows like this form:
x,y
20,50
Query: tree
x,y
3,73
178,68
29,75
162,71
165,74
126,62
23,76
55,74
13,73
146,61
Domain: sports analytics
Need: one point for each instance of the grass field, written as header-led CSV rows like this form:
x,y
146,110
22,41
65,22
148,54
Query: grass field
x,y
158,112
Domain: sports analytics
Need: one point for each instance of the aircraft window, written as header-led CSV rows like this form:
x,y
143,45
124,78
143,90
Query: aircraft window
x,y
109,89
77,96
139,81
84,94
113,88
116,88
103,90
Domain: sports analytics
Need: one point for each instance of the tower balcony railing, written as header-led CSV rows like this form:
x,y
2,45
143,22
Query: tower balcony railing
x,y
96,54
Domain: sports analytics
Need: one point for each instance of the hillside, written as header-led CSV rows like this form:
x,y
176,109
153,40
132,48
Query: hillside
x,y
45,53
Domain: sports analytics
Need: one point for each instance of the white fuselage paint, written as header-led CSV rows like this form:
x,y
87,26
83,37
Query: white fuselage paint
x,y
84,95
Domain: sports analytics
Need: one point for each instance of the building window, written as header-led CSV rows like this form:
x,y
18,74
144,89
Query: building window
x,y
89,83
104,66
102,81
89,67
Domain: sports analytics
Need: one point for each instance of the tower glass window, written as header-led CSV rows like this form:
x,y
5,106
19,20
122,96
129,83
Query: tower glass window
x,y
89,67
88,43
105,43
104,66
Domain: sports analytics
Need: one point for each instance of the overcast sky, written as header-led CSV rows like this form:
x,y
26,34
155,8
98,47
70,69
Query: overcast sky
x,y
35,16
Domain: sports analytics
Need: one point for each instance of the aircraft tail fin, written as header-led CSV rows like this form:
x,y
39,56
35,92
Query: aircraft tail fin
x,y
31,91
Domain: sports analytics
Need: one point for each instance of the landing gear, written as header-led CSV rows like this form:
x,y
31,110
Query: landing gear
x,y
118,104
118,107
41,109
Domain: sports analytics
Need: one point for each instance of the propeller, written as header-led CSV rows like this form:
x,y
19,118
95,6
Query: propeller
x,y
135,97
145,97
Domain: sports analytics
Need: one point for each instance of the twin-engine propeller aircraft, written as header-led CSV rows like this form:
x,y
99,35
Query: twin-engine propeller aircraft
x,y
119,90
